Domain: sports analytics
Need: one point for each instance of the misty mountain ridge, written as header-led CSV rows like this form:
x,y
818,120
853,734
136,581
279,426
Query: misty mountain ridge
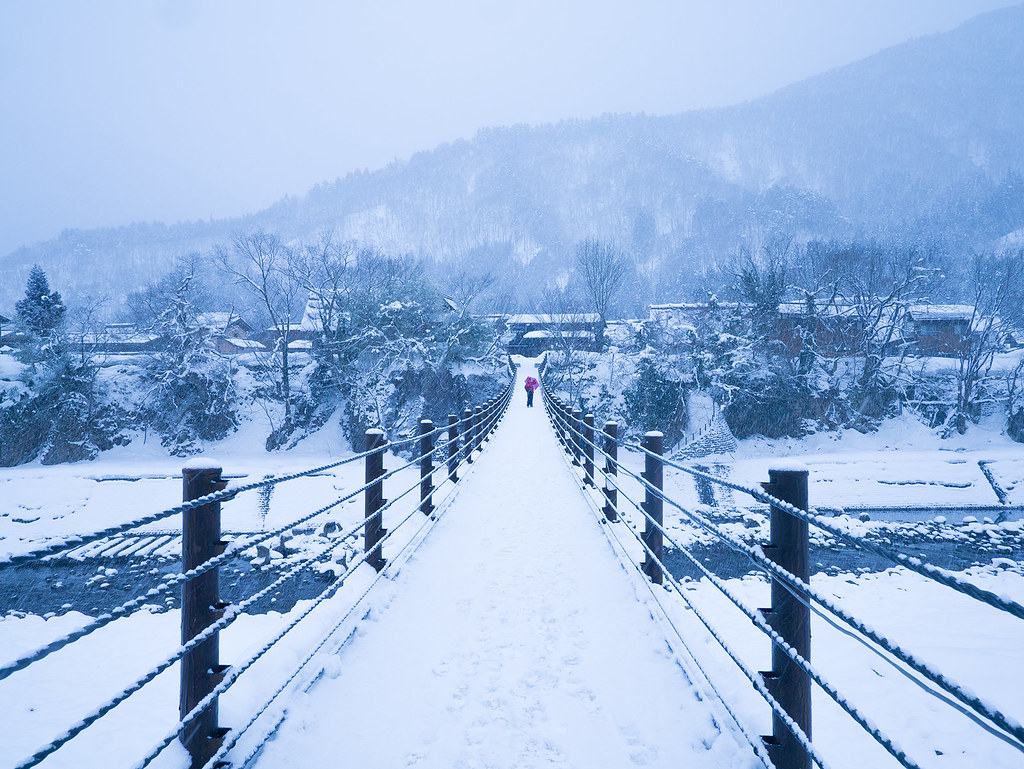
x,y
919,144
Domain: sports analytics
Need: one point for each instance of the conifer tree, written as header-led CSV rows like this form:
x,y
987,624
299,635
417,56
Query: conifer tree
x,y
42,310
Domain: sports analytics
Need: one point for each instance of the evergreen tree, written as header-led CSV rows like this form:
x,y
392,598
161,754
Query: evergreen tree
x,y
42,310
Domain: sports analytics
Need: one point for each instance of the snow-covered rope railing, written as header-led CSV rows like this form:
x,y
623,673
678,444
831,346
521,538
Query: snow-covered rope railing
x,y
234,549
804,592
75,541
776,639
232,739
201,511
756,681
576,432
901,559
372,549
236,672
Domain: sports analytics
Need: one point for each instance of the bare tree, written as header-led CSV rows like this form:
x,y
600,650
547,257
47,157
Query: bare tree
x,y
602,268
465,287
997,284
875,287
269,270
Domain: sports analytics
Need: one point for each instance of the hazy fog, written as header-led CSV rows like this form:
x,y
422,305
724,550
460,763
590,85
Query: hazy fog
x,y
121,111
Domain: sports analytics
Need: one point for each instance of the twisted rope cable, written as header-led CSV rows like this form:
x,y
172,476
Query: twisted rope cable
x,y
754,679
803,591
236,672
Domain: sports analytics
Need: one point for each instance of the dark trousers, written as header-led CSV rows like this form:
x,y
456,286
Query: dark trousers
x,y
529,399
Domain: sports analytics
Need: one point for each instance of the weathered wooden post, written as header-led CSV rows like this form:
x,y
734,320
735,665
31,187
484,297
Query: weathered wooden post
x,y
653,504
426,466
575,426
611,469
790,618
373,531
588,449
453,448
487,414
478,428
565,426
467,435
201,670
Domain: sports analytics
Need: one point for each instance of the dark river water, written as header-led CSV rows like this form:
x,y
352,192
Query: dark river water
x,y
92,586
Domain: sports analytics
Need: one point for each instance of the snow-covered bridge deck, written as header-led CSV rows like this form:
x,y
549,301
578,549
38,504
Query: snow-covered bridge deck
x,y
513,638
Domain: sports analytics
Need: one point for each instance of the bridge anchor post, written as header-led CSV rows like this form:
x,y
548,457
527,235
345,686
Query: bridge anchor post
x,y
373,532
453,448
576,426
654,472
426,466
588,450
611,469
791,619
201,606
467,435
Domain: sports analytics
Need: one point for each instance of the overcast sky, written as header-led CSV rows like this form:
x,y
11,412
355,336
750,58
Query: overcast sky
x,y
164,110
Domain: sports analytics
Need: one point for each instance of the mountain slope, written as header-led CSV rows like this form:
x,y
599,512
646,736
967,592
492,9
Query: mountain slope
x,y
918,143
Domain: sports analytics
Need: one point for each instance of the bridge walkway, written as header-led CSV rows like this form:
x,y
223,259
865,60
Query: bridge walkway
x,y
512,638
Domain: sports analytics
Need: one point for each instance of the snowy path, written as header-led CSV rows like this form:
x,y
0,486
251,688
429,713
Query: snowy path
x,y
513,638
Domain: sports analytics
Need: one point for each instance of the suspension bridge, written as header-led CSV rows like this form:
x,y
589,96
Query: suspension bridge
x,y
502,599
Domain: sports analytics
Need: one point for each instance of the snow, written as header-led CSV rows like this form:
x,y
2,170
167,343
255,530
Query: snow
x,y
512,637
501,647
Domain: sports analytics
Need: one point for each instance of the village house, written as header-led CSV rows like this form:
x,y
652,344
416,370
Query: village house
x,y
939,329
930,329
230,334
533,334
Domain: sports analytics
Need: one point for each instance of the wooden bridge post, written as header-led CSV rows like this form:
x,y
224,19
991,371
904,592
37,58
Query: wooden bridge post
x,y
201,670
453,448
653,504
426,466
588,449
563,431
611,469
791,619
575,427
373,532
467,435
488,413
478,428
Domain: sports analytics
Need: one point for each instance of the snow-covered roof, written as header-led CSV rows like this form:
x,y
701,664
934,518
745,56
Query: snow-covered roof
x,y
250,344
941,311
682,306
838,309
300,344
220,321
554,320
547,334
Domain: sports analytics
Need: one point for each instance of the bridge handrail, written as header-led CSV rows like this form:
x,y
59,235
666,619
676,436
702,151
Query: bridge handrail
x,y
476,428
235,548
78,540
814,518
577,428
757,620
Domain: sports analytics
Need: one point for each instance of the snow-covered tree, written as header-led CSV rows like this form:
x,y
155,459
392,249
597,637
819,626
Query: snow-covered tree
x,y
192,395
42,310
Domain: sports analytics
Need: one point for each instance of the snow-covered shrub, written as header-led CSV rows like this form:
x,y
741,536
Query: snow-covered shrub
x,y
392,350
61,414
191,395
656,401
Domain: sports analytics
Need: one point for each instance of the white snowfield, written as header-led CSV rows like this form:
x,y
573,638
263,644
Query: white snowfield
x,y
514,638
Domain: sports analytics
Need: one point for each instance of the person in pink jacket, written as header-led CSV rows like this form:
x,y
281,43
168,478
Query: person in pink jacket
x,y
531,385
